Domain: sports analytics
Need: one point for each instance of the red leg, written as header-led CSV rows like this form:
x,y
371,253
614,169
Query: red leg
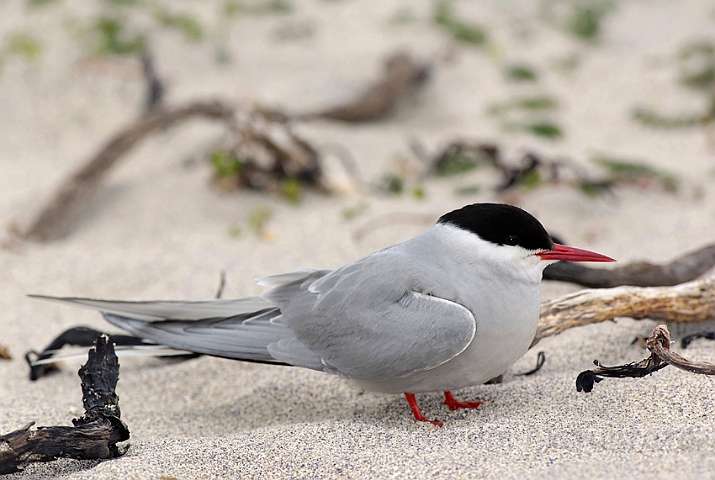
x,y
453,404
416,410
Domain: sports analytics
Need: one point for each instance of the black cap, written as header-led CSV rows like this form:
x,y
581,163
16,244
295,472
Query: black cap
x,y
500,224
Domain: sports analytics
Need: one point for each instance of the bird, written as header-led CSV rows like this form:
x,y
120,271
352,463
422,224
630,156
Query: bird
x,y
451,308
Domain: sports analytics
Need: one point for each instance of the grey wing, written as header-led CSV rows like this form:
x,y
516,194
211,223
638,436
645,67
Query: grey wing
x,y
376,319
242,337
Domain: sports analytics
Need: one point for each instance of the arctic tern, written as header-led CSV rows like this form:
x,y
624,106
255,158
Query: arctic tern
x,y
451,308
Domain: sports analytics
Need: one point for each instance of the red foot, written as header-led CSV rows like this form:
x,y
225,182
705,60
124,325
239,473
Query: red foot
x,y
416,410
453,404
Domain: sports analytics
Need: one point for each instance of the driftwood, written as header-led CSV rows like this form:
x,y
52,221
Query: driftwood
x,y
262,152
688,339
56,218
402,75
689,302
661,356
259,154
639,274
534,169
155,89
78,336
5,353
95,435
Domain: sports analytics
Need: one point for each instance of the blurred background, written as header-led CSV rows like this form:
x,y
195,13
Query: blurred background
x,y
146,146
343,126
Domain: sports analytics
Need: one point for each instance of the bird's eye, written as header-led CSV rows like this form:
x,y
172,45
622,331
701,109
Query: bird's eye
x,y
511,240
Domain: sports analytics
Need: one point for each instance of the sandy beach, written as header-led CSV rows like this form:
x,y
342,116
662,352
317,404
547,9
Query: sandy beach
x,y
158,229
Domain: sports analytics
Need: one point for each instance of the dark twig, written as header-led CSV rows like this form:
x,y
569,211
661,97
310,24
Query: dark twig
x,y
77,336
402,74
533,169
639,274
95,435
5,353
688,339
540,360
661,356
586,380
154,86
221,284
56,218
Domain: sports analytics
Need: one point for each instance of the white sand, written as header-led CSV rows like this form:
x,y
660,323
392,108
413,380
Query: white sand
x,y
156,230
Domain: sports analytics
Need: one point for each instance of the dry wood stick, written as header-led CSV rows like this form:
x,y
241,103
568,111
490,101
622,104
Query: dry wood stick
x,y
95,435
690,302
56,218
660,357
402,74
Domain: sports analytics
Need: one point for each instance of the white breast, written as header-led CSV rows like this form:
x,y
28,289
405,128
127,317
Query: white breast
x,y
500,286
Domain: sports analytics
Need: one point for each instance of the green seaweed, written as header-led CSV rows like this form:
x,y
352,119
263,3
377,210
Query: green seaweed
x,y
259,217
123,3
531,179
582,19
393,183
113,38
265,7
40,3
419,192
352,212
697,65
186,24
534,103
650,118
461,31
467,190
24,45
292,189
545,129
234,231
629,171
226,164
520,72
457,164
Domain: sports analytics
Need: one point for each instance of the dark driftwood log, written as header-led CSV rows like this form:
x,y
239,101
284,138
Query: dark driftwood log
x,y
56,218
95,435
402,74
661,356
79,336
638,274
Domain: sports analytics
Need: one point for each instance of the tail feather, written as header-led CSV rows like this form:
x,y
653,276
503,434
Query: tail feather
x,y
232,337
163,310
246,329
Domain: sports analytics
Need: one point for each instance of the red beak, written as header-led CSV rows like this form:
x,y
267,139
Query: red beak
x,y
572,254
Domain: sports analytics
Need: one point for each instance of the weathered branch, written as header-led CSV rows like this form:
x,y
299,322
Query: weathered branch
x,y
56,218
402,74
661,356
659,344
95,435
79,336
689,302
5,353
639,274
